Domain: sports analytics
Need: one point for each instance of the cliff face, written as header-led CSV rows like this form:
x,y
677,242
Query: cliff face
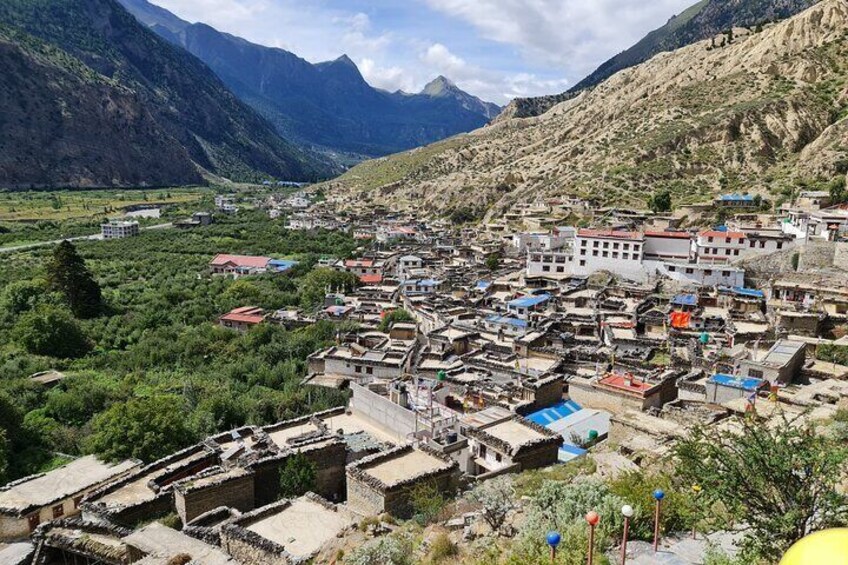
x,y
328,106
162,84
757,114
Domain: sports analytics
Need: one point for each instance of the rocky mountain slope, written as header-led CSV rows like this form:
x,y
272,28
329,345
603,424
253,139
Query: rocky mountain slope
x,y
703,20
114,105
327,105
758,114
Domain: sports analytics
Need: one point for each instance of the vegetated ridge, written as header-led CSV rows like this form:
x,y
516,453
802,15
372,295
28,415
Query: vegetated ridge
x,y
92,98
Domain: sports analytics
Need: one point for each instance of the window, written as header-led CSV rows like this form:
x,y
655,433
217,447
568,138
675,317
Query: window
x,y
615,254
606,245
33,520
58,511
77,501
582,262
762,244
498,457
595,244
357,369
710,239
725,273
482,450
606,253
689,271
708,272
751,244
560,269
582,252
736,252
755,373
626,246
780,245
594,253
546,269
583,243
727,240
615,245
625,256
727,251
672,269
369,370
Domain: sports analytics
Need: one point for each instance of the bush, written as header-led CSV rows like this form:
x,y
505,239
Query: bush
x,y
427,502
496,499
389,550
52,332
297,476
442,548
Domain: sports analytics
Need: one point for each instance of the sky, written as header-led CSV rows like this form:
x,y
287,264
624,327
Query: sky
x,y
494,49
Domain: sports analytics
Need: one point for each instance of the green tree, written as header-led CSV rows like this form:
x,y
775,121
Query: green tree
x,y
145,428
315,285
21,296
4,458
51,331
781,480
493,261
838,193
68,274
427,502
660,202
394,317
297,476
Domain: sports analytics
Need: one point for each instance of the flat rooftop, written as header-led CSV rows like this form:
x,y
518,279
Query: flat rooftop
x,y
164,542
281,437
137,491
782,352
395,470
301,528
78,475
513,432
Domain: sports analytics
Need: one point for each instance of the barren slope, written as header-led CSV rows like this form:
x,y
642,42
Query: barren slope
x,y
696,121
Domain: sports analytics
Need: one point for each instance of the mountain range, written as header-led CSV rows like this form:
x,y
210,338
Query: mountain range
x,y
326,106
763,110
703,20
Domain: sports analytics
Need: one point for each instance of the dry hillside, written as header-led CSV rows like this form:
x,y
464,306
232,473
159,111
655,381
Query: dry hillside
x,y
758,114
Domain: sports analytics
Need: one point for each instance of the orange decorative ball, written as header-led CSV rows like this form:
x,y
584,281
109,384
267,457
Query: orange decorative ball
x,y
593,518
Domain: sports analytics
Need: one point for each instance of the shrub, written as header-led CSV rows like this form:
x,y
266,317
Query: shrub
x,y
389,550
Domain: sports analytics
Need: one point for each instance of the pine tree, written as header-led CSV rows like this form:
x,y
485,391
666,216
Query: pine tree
x,y
69,275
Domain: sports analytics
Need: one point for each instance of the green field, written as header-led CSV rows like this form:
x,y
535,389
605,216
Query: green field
x,y
78,204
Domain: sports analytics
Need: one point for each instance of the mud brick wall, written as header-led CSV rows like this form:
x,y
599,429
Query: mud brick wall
x,y
235,492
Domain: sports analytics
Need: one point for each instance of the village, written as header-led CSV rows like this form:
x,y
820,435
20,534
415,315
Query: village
x,y
471,352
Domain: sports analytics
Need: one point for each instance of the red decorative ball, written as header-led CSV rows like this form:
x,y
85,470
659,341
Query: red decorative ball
x,y
593,518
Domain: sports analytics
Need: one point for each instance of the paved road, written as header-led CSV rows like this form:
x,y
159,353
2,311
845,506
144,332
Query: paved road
x,y
96,236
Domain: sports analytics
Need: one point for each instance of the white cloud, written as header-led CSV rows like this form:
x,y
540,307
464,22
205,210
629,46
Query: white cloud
x,y
573,35
388,78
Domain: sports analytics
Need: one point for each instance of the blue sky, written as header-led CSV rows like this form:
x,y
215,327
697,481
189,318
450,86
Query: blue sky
x,y
495,49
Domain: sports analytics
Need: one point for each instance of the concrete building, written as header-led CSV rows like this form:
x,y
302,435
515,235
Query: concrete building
x,y
702,274
713,246
619,252
242,319
26,503
617,392
781,365
119,229
721,388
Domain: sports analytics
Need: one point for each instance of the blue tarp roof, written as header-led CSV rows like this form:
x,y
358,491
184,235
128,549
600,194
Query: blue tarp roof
x,y
752,292
731,381
483,285
558,411
427,282
740,197
529,301
281,264
505,320
685,300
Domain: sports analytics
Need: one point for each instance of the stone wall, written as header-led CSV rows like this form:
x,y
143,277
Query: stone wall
x,y
329,458
233,491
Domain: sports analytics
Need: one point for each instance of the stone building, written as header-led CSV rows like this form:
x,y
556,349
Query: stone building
x,y
26,503
618,392
285,532
384,482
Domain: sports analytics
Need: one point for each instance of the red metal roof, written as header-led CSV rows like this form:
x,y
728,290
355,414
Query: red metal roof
x,y
626,383
609,234
240,260
668,234
359,263
724,234
371,279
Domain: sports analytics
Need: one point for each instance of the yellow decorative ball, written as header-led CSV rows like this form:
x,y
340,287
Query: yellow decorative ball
x,y
827,547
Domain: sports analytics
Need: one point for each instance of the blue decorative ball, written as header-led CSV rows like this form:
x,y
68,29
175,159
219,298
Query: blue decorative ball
x,y
659,494
553,539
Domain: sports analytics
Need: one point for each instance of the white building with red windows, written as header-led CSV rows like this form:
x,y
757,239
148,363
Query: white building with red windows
x,y
713,246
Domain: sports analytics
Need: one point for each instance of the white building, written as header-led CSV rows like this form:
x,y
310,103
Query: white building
x,y
119,229
619,252
700,274
667,246
713,246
